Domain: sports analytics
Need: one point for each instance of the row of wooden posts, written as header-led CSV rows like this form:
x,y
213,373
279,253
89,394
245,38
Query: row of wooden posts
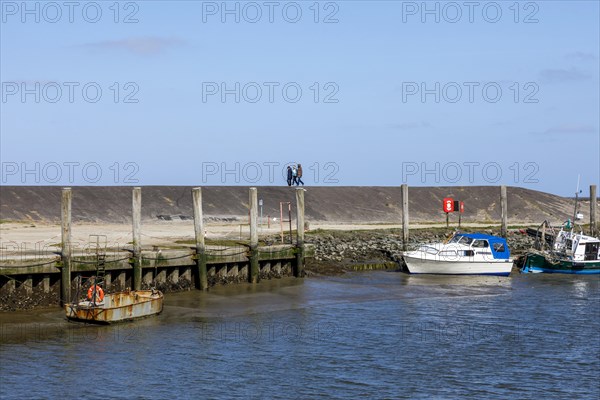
x,y
503,211
201,256
254,261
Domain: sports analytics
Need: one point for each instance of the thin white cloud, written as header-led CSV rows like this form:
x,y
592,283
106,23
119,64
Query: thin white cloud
x,y
139,46
560,75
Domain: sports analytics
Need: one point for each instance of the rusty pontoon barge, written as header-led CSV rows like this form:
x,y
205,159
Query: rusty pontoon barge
x,y
117,307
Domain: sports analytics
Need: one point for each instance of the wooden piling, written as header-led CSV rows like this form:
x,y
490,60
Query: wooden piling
x,y
10,286
27,285
174,276
404,216
277,268
148,277
266,269
201,272
161,276
46,283
299,271
503,211
593,208
254,266
137,237
186,274
233,271
65,282
121,280
107,280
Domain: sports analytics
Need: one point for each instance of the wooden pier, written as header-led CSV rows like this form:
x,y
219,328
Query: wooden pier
x,y
137,268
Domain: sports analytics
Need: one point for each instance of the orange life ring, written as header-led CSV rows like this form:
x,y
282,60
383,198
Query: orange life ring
x,y
99,293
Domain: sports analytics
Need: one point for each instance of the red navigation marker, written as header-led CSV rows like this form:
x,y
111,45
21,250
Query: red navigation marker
x,y
448,204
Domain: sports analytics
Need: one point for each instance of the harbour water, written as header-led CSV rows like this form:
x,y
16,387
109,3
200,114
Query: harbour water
x,y
373,334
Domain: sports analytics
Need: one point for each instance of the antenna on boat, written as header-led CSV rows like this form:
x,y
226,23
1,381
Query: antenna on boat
x,y
576,199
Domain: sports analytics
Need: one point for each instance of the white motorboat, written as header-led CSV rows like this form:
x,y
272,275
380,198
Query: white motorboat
x,y
464,254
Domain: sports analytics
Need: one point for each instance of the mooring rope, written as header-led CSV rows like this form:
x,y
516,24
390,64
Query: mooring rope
x,y
228,254
96,262
30,265
166,259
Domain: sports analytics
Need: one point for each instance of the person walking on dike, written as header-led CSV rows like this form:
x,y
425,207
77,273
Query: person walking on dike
x,y
294,175
299,176
289,175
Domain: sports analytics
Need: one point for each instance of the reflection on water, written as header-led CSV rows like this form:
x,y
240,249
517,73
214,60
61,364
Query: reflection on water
x,y
458,280
377,334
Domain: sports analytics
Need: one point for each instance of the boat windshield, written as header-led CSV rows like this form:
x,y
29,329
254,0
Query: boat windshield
x,y
461,240
428,249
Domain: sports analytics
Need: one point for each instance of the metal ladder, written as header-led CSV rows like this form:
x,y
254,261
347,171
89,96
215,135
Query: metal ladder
x,y
98,244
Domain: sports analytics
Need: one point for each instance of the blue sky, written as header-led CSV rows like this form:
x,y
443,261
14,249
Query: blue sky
x,y
373,93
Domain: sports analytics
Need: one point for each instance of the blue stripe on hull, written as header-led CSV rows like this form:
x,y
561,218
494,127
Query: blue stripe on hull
x,y
486,274
561,271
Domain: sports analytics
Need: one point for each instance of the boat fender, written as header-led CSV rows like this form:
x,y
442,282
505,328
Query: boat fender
x,y
99,293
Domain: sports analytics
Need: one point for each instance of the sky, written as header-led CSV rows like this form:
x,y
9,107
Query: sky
x,y
360,93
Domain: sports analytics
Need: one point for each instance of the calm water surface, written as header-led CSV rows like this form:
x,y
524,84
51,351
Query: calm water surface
x,y
378,335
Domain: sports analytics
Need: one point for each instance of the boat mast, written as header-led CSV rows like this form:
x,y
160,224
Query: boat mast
x,y
576,201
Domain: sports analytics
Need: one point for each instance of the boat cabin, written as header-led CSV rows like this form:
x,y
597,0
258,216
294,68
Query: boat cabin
x,y
473,246
482,244
577,246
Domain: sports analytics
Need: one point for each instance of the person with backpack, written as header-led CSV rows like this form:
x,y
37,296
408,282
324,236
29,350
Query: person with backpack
x,y
299,176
